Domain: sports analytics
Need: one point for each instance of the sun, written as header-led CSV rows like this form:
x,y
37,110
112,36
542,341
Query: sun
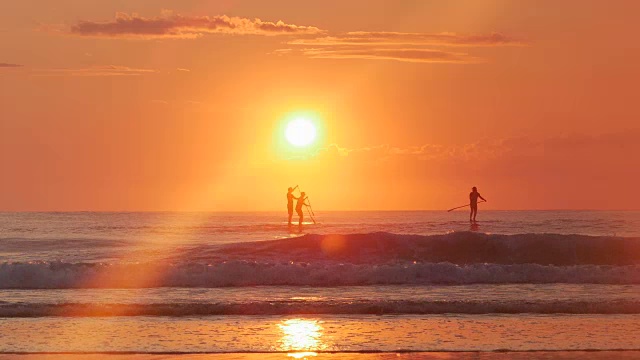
x,y
300,132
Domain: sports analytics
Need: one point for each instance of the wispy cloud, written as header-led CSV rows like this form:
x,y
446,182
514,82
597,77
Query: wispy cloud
x,y
6,65
108,70
365,38
381,45
529,171
170,25
585,147
397,46
405,55
337,150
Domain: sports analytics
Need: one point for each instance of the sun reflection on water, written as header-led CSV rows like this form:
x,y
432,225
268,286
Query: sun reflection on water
x,y
302,355
301,335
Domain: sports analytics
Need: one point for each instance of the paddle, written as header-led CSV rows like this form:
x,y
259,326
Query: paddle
x,y
312,214
463,206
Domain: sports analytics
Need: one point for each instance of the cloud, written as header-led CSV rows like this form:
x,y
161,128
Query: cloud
x,y
6,65
108,70
183,70
337,150
523,172
395,46
170,25
398,46
576,148
404,55
363,38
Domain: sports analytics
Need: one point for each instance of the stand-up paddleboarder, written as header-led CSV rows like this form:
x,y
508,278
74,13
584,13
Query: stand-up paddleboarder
x,y
473,203
290,198
301,202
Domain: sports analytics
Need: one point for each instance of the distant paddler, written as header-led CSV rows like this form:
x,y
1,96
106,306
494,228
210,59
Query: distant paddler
x,y
473,203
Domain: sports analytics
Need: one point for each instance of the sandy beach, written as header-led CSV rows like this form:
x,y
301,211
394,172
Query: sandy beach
x,y
537,355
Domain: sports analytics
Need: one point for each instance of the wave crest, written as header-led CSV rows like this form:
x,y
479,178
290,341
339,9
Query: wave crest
x,y
245,273
456,247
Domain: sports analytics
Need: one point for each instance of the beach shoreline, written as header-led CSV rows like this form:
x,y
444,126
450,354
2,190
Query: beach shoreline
x,y
437,355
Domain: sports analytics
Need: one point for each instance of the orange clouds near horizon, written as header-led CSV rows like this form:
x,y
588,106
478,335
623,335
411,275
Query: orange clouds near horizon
x,y
171,25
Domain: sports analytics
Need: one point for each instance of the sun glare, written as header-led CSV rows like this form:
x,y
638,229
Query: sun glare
x,y
300,132
301,334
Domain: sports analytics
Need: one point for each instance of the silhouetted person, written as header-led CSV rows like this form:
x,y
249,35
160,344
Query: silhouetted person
x,y
299,206
473,199
290,199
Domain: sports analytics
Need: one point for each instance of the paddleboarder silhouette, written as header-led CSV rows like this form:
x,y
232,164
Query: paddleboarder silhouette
x,y
473,203
290,198
301,202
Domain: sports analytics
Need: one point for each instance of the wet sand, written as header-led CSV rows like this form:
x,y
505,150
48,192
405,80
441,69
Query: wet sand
x,y
596,355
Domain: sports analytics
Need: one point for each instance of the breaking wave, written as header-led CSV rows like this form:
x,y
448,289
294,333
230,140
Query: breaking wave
x,y
456,247
245,273
356,259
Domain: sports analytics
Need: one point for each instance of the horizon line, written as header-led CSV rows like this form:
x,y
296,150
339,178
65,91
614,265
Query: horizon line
x,y
273,211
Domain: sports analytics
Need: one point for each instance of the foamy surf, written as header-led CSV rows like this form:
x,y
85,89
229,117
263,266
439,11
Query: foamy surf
x,y
356,259
247,273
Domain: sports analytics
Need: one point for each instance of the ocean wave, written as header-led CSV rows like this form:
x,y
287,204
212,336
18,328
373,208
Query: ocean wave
x,y
355,259
56,275
373,307
456,247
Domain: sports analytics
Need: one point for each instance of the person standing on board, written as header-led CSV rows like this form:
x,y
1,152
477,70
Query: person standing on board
x,y
299,205
290,199
473,203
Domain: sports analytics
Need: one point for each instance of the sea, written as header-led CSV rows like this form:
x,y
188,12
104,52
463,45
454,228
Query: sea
x,y
378,282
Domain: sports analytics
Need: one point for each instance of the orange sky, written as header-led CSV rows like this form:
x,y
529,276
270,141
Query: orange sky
x,y
179,105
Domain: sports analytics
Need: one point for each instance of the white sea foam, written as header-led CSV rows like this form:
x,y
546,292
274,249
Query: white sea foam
x,y
355,259
245,273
